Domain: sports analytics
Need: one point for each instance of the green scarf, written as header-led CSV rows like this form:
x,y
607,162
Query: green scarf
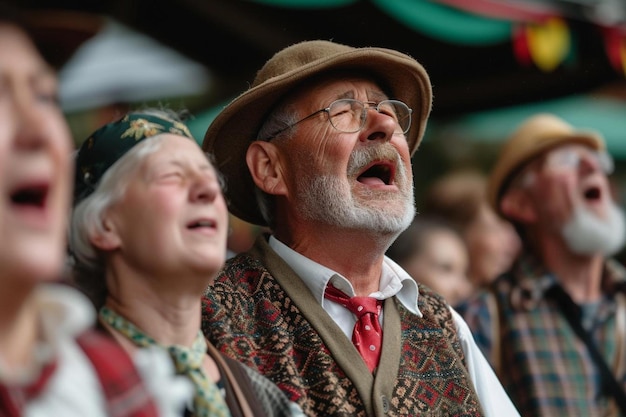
x,y
208,401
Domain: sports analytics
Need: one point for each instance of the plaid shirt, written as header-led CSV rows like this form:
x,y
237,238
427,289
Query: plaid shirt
x,y
545,368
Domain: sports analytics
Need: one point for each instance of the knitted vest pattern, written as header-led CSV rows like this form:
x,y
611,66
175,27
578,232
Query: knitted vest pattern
x,y
249,317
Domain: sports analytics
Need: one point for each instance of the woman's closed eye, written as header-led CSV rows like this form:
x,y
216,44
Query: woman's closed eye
x,y
170,176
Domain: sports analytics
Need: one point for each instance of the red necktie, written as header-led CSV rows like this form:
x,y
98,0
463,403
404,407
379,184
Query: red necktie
x,y
367,334
13,399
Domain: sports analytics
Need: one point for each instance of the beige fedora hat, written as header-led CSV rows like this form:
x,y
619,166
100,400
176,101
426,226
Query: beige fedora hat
x,y
237,125
536,135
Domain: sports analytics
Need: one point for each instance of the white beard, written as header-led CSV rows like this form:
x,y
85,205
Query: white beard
x,y
327,199
587,234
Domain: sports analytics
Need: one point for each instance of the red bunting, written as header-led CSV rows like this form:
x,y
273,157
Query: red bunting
x,y
615,45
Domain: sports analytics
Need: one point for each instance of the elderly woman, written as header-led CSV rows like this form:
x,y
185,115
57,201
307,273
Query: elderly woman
x,y
52,363
148,236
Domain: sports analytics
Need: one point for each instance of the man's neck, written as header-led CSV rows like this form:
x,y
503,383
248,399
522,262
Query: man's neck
x,y
353,254
580,275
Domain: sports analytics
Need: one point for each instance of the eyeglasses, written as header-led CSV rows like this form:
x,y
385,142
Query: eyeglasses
x,y
570,157
348,115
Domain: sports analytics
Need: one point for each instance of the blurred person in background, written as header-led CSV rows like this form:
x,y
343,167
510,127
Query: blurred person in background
x,y
460,197
434,253
241,236
148,236
52,363
559,314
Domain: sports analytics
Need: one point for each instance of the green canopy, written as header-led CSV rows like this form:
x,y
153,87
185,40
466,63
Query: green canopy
x,y
602,114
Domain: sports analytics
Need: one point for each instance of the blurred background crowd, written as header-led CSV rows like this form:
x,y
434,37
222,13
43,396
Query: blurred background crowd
x,y
492,64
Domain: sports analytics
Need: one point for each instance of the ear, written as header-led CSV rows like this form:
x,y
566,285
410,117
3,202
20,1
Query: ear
x,y
264,163
517,205
106,239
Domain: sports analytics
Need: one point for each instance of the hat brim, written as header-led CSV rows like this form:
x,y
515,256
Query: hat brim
x,y
232,131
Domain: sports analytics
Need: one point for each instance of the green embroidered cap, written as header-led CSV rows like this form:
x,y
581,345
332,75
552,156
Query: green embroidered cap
x,y
110,142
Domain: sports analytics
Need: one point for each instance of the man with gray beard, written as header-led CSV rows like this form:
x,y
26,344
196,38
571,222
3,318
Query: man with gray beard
x,y
559,315
319,151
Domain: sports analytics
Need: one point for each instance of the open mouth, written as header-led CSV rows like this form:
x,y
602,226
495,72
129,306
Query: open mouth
x,y
593,194
377,174
202,224
30,196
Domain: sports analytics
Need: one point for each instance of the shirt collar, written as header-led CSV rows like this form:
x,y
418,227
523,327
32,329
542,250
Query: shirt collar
x,y
394,280
534,280
64,314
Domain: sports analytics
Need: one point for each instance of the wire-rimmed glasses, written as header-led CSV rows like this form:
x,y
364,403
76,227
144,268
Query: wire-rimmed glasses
x,y
349,115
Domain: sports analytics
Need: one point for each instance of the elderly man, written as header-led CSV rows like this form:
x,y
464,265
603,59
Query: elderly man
x,y
560,313
319,150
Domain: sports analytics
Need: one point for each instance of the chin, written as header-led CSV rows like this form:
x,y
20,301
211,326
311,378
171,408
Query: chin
x,y
43,270
210,267
37,259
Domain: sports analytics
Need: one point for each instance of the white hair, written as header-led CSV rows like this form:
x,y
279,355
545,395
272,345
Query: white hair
x,y
87,215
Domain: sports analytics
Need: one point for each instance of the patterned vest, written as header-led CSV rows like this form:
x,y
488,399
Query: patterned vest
x,y
272,323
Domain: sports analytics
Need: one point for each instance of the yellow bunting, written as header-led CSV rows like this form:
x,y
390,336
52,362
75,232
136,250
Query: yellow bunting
x,y
548,43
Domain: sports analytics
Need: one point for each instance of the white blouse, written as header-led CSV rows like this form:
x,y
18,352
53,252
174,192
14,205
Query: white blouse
x,y
74,388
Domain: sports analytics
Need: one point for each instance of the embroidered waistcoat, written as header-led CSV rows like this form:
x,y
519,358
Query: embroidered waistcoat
x,y
263,315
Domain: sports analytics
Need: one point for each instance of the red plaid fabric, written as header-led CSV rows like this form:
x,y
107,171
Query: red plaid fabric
x,y
125,393
123,388
367,335
14,398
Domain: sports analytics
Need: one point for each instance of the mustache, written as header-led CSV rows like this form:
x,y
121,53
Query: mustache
x,y
362,157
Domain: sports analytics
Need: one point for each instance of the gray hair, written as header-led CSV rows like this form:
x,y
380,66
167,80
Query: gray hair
x,y
87,216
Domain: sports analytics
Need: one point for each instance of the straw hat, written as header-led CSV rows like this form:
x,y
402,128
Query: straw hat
x,y
237,125
532,138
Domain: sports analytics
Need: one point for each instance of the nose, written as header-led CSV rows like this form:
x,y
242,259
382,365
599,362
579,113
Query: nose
x,y
461,291
31,132
465,288
205,189
378,126
588,163
511,243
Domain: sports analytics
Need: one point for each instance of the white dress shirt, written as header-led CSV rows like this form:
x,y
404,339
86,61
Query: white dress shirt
x,y
74,389
395,281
